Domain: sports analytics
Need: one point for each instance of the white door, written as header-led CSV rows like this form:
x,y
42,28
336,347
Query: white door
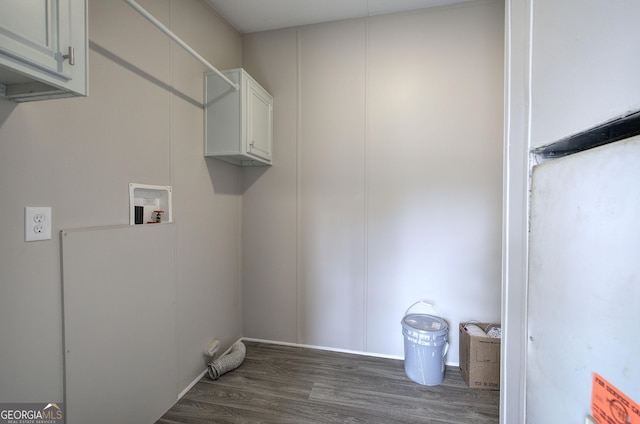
x,y
584,280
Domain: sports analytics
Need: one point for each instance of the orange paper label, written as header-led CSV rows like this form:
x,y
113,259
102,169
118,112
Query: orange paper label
x,y
610,406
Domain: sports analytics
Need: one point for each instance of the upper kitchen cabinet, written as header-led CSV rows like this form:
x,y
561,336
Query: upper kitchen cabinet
x,y
43,49
238,123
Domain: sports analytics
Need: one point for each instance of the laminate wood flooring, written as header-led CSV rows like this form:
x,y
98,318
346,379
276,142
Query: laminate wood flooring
x,y
285,384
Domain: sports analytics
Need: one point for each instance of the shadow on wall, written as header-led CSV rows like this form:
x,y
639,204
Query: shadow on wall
x,y
6,108
224,182
252,174
223,179
141,73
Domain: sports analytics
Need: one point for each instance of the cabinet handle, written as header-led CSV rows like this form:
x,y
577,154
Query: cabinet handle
x,y
71,56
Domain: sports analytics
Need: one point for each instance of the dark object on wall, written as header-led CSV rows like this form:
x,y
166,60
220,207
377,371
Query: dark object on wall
x,y
614,130
139,211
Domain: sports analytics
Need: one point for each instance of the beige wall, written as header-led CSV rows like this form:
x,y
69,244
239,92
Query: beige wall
x,y
141,123
387,180
581,77
385,186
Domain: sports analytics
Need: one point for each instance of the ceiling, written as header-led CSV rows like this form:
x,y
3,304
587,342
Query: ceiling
x,y
262,15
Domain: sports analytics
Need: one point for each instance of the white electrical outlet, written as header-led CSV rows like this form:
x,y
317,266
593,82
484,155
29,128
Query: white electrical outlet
x,y
37,223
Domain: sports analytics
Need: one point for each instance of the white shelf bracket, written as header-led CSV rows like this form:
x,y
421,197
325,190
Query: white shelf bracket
x,y
178,41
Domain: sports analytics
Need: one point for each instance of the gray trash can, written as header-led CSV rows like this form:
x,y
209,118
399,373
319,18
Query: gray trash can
x,y
425,346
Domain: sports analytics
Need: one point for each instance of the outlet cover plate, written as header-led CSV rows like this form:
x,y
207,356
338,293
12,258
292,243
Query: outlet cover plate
x,y
37,223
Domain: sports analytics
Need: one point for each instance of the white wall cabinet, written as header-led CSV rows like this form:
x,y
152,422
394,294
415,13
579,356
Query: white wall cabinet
x,y
238,123
43,49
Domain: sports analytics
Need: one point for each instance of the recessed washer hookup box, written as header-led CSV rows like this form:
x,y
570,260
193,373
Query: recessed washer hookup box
x,y
480,358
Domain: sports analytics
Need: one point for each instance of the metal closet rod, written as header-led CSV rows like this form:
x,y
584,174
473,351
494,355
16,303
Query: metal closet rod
x,y
178,41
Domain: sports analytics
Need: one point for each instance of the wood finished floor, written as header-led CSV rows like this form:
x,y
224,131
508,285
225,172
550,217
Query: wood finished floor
x,y
284,384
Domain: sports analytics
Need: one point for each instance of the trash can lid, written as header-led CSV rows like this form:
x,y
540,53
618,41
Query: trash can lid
x,y
423,322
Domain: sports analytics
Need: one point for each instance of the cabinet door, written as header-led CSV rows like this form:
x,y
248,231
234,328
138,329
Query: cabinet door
x,y
31,31
35,35
260,122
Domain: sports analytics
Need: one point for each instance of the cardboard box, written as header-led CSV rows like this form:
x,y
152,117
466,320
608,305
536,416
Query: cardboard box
x,y
480,359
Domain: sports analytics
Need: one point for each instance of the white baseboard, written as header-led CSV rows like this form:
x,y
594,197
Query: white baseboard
x,y
193,383
333,349
330,349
